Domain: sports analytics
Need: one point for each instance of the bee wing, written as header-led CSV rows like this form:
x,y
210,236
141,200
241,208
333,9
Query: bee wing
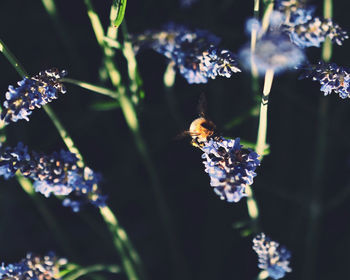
x,y
184,134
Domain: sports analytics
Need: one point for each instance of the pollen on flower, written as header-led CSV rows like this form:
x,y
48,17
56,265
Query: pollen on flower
x,y
231,168
32,93
194,53
33,267
272,257
331,77
56,174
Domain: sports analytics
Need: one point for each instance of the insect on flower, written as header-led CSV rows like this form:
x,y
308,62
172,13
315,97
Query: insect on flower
x,y
201,129
231,168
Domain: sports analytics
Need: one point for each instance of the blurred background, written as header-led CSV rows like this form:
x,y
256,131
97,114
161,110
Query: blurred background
x,y
306,173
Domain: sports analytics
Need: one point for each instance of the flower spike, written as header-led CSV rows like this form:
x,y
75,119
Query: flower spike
x,y
34,267
231,168
56,174
32,93
273,258
331,77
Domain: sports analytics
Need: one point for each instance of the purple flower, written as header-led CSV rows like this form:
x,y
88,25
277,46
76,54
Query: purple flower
x,y
230,167
195,53
33,267
32,93
273,258
56,174
331,77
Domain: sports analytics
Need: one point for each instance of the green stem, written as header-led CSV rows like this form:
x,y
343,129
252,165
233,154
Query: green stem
x,y
327,47
64,135
115,269
120,239
261,141
49,219
91,87
12,59
267,13
129,112
317,183
260,147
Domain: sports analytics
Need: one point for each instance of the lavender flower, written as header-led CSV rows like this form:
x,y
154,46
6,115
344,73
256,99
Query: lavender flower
x,y
314,32
195,53
56,174
274,51
304,29
230,167
32,93
331,77
272,257
33,267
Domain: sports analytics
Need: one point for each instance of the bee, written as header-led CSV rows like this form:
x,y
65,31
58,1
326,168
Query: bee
x,y
201,129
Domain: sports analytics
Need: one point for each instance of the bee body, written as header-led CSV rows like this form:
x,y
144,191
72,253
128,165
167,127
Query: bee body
x,y
201,130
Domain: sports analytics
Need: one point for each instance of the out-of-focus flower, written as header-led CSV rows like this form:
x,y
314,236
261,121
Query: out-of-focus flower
x,y
304,29
330,76
56,174
272,257
187,3
33,267
32,93
195,53
315,31
274,51
231,168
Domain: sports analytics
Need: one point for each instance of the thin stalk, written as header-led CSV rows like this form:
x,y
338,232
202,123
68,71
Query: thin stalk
x,y
261,141
260,147
327,45
136,83
65,37
129,112
91,87
253,210
12,59
119,238
119,233
266,18
253,38
64,135
169,81
46,214
317,183
115,269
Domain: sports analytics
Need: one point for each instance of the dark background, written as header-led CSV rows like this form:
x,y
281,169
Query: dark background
x,y
211,247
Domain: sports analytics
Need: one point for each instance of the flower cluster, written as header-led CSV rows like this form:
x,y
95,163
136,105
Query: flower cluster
x,y
304,29
33,267
315,31
195,53
32,93
331,77
273,51
230,167
56,174
272,257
